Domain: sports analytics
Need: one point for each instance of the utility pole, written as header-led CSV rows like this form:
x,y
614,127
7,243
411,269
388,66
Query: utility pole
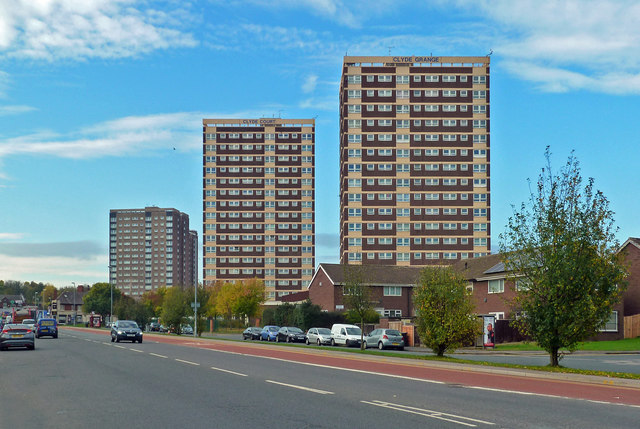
x,y
75,312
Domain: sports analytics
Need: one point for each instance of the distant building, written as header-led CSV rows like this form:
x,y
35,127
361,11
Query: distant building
x,y
150,248
259,202
414,160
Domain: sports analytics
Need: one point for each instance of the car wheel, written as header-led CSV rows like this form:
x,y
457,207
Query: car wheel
x,y
288,339
333,343
117,339
306,341
380,346
364,344
112,339
319,342
140,340
55,336
33,347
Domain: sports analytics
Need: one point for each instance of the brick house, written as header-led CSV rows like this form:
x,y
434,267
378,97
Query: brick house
x,y
392,288
630,250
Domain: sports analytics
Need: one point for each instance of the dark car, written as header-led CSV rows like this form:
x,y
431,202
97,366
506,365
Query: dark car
x,y
290,334
126,330
46,328
154,327
17,335
269,333
251,333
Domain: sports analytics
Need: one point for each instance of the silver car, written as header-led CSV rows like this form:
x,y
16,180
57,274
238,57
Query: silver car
x,y
384,338
318,336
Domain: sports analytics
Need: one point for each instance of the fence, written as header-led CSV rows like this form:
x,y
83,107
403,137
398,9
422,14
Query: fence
x,y
632,326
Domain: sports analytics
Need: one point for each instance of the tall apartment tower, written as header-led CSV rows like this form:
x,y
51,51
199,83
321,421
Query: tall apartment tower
x,y
150,248
414,160
258,202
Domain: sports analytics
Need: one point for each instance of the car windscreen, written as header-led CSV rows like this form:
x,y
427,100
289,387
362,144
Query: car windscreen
x,y
273,329
127,325
324,331
295,330
393,332
353,331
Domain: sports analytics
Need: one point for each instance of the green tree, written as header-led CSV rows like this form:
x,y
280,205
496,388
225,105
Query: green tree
x,y
561,248
250,296
98,299
444,310
128,308
175,308
357,294
203,310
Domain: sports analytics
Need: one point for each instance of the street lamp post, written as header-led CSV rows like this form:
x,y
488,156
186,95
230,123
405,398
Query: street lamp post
x,y
110,287
75,313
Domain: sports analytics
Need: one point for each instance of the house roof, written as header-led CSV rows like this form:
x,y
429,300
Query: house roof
x,y
380,275
475,268
631,240
12,297
66,297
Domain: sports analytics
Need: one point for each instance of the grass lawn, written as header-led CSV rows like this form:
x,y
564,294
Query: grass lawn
x,y
630,344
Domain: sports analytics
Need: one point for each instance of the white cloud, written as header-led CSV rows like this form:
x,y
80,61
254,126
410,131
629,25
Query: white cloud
x,y
128,136
310,83
15,110
568,45
82,29
11,235
59,271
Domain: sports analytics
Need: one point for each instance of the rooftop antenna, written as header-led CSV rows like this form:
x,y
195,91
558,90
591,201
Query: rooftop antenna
x,y
490,52
390,48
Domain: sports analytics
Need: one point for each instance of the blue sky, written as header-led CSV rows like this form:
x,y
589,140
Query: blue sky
x,y
96,94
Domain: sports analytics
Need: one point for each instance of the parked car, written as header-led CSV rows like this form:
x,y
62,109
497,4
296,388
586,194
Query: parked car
x,y
251,333
154,327
269,333
126,330
290,334
348,335
46,327
17,335
186,330
318,336
384,338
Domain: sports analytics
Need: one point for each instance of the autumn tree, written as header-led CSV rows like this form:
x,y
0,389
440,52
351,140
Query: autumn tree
x,y
562,251
445,316
357,294
251,295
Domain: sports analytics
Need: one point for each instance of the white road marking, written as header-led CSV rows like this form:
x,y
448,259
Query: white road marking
x,y
120,347
187,362
413,378
86,339
309,389
230,372
136,350
156,355
466,421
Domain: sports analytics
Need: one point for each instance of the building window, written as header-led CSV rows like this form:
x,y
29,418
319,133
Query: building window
x,y
392,313
612,324
392,291
496,286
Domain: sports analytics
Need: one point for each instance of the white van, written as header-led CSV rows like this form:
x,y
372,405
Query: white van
x,y
349,335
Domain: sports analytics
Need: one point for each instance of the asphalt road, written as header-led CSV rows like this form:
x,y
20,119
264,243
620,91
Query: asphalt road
x,y
82,380
594,361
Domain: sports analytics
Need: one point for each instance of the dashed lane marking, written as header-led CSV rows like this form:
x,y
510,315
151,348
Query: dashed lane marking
x,y
308,389
227,371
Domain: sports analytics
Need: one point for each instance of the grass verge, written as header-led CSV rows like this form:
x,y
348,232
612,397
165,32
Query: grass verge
x,y
626,345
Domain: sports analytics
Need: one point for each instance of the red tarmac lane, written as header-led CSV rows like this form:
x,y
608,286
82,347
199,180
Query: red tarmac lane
x,y
593,388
